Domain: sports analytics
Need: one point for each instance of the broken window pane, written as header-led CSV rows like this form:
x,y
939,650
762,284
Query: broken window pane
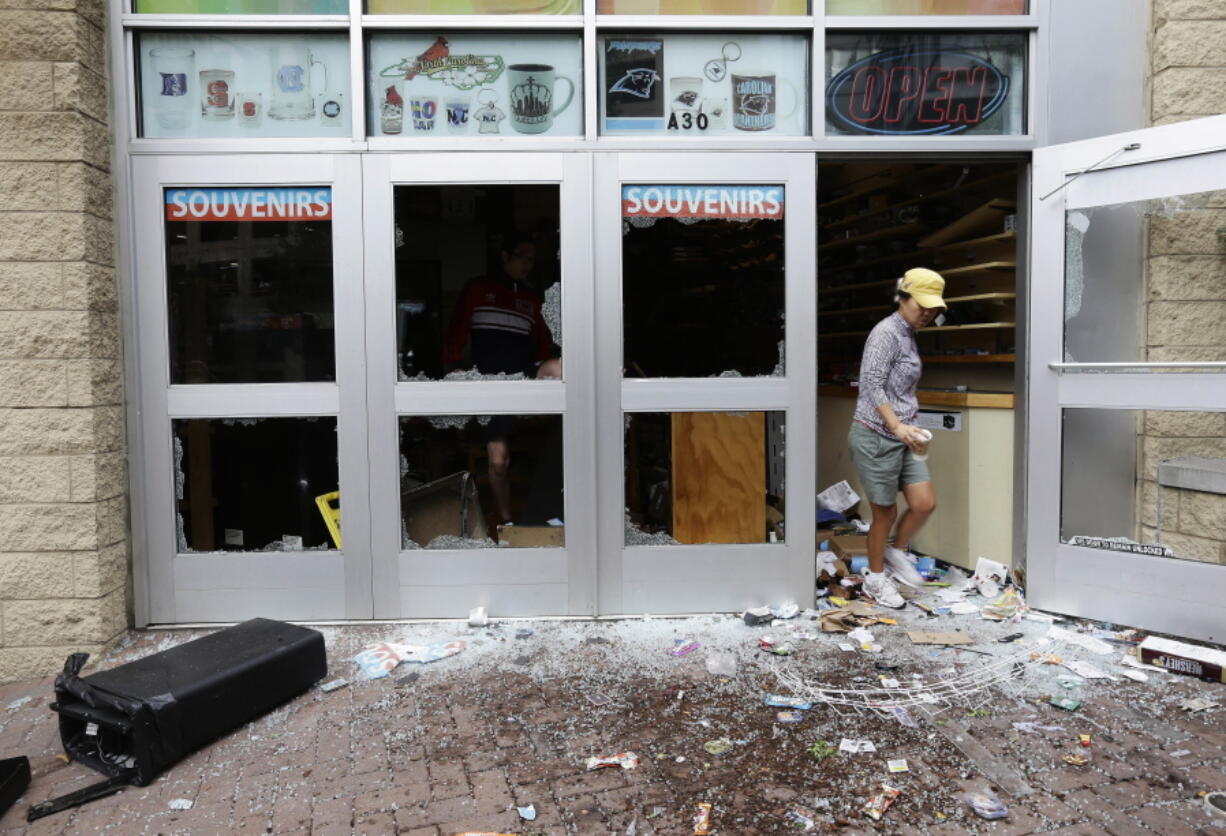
x,y
480,481
1145,481
1144,281
704,477
249,285
478,282
254,484
702,281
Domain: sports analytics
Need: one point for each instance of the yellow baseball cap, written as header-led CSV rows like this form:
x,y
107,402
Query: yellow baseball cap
x,y
925,286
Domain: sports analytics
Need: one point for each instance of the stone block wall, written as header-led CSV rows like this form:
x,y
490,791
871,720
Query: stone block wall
x,y
63,487
1185,316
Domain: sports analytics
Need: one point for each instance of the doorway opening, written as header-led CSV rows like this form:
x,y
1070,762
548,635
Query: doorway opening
x,y
875,221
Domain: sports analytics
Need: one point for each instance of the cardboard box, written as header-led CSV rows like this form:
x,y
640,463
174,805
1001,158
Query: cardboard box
x,y
847,546
1191,659
541,536
445,506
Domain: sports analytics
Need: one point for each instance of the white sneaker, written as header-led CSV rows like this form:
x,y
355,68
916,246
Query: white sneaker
x,y
879,587
902,568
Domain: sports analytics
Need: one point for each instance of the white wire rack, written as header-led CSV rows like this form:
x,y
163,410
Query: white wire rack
x,y
973,687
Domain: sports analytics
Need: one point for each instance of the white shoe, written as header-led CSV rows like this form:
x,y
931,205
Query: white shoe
x,y
901,565
881,589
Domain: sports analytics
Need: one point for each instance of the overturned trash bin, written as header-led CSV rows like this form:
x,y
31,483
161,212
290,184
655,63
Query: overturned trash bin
x,y
134,721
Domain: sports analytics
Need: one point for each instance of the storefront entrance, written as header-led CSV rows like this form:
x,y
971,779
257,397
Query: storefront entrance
x,y
391,385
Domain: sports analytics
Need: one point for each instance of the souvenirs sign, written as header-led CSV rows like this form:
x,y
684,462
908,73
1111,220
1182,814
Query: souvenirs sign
x,y
916,91
249,204
703,202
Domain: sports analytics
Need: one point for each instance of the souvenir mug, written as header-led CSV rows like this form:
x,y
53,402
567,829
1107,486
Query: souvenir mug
x,y
250,107
457,115
532,101
685,94
291,83
172,68
755,99
217,94
424,109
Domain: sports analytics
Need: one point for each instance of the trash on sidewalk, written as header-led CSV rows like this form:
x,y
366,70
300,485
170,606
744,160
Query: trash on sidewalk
x,y
683,647
963,608
786,610
1046,658
334,685
1008,605
598,699
1180,657
477,617
1085,669
626,760
986,805
1198,704
838,497
989,577
897,765
14,781
902,715
856,746
876,806
717,747
1080,639
1084,740
1075,760
757,615
1067,703
1215,803
1034,727
180,804
789,716
819,750
527,813
800,818
846,617
721,664
702,819
523,633
378,660
1135,675
777,701
931,637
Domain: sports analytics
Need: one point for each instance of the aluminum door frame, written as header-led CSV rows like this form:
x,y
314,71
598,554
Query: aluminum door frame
x,y
704,578
508,582
225,586
1111,586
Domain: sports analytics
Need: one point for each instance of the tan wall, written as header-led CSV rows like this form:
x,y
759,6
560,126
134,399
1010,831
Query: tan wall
x,y
63,514
1185,285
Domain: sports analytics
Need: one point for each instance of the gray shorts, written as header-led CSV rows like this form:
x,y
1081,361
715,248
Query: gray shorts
x,y
884,464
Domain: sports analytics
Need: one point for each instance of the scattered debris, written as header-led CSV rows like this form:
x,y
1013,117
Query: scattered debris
x,y
800,818
1087,670
1198,704
717,747
626,760
180,804
1084,740
524,633
380,659
949,638
856,746
777,701
1067,703
898,765
18,703
334,685
789,716
1009,605
1180,657
876,806
819,750
757,615
1032,727
1181,753
1075,760
721,664
527,813
598,699
702,819
1215,803
986,805
477,617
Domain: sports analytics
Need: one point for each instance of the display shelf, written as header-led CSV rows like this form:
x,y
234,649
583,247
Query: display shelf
x,y
988,268
875,235
937,329
978,220
882,181
931,397
996,238
974,184
968,358
847,287
949,300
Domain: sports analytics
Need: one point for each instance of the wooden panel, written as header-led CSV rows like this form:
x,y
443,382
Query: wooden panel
x,y
719,477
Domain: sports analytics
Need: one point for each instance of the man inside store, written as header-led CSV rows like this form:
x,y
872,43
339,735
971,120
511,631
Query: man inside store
x,y
499,318
884,440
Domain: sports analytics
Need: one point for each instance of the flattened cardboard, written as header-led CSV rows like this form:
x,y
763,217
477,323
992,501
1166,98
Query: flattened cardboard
x,y
934,637
847,546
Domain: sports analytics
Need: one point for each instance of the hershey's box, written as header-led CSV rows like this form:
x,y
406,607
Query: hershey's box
x,y
1194,660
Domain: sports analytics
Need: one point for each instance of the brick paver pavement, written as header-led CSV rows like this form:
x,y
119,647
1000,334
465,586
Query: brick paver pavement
x,y
456,749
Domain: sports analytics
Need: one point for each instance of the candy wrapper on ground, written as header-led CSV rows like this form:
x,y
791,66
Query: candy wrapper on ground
x,y
1008,605
876,806
378,660
626,760
702,819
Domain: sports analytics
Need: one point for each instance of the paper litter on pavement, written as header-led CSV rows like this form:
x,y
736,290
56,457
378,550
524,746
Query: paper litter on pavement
x,y
934,637
1080,639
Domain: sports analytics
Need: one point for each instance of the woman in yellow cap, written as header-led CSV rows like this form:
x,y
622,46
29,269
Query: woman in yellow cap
x,y
883,432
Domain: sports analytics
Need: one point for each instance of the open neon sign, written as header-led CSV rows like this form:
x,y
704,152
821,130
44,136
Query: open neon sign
x,y
916,91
